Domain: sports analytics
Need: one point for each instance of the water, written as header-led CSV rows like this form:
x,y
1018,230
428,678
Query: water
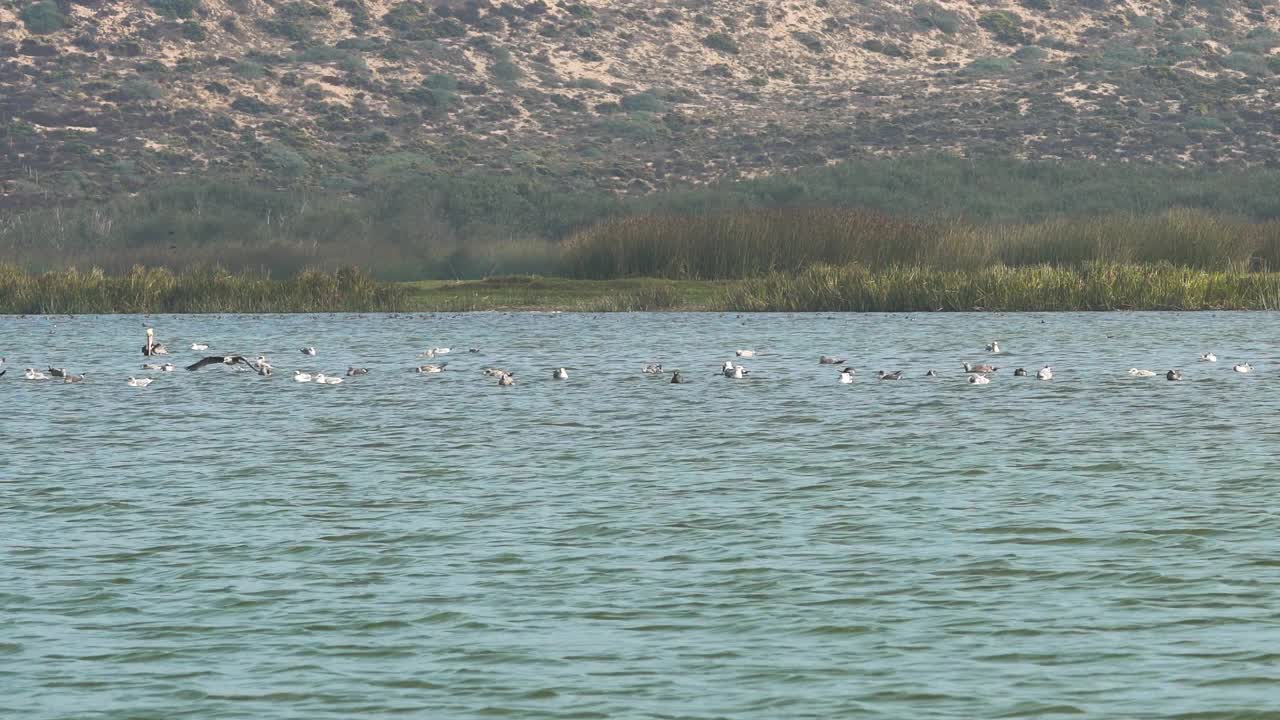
x,y
221,545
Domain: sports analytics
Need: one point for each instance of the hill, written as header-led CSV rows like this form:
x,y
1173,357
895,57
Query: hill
x,y
99,98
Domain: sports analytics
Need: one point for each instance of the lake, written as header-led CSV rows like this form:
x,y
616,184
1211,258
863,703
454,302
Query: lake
x,y
221,545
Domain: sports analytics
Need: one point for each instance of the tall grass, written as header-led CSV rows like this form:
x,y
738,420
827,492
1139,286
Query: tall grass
x,y
750,243
1092,286
157,290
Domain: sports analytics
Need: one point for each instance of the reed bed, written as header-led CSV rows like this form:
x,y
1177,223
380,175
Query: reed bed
x,y
751,243
1093,286
158,290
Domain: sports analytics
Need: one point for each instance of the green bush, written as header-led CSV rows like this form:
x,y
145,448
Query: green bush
x,y
643,102
1005,27
722,42
282,160
505,71
194,32
936,16
42,18
175,8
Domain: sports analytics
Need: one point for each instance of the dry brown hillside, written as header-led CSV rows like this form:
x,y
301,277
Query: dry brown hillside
x,y
98,97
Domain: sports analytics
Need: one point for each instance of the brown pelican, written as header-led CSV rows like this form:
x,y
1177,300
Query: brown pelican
x,y
152,347
221,360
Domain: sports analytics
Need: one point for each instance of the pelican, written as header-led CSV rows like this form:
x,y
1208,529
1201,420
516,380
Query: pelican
x,y
220,360
677,378
354,371
745,353
980,369
979,380
1020,372
1247,367
309,350
151,347
993,347
140,382
34,374
1208,357
895,375
300,376
1173,375
432,368
506,380
1045,373
560,374
830,360
846,376
652,369
323,379
199,346
1135,372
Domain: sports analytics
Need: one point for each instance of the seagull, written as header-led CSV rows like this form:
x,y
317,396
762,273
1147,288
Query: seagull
x,y
323,379
432,352
979,380
506,380
309,350
73,378
1045,373
1020,372
354,371
300,376
262,366
736,372
1173,375
895,375
431,368
830,360
140,382
1247,367
34,374
1208,357
490,371
560,374
221,360
652,369
981,369
1141,373
163,367
745,353
993,347
846,376
677,378
199,346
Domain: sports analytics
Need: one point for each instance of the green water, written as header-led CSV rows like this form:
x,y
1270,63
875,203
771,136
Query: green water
x,y
220,545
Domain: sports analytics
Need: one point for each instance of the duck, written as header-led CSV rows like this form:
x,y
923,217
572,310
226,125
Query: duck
x,y
1173,375
506,380
1135,372
830,360
979,380
309,351
846,375
1247,367
560,374
34,374
1044,373
745,353
652,369
1208,357
980,369
895,375
1020,372
931,373
57,372
677,378
356,371
993,347
431,368
140,382
299,376
199,346
151,346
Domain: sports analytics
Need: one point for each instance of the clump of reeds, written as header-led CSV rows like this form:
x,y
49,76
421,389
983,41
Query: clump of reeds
x,y
1092,286
158,290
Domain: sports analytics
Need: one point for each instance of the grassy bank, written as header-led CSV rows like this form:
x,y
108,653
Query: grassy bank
x,y
150,290
541,293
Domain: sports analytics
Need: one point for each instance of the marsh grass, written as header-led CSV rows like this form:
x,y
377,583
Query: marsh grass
x,y
157,290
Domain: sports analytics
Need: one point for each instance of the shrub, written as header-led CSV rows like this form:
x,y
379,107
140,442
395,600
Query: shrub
x,y
175,8
722,42
505,71
282,160
139,89
1005,27
643,102
42,18
439,81
194,32
936,16
809,40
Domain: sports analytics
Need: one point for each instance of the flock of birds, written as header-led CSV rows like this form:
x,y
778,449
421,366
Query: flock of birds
x,y
977,374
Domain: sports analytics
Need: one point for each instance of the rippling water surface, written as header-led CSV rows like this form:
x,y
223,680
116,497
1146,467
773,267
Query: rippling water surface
x,y
221,545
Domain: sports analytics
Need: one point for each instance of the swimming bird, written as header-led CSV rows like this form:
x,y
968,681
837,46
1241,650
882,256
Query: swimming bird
x,y
140,382
981,368
73,378
431,368
895,375
1173,375
151,346
846,376
1208,357
506,380
677,378
931,373
979,380
162,367
731,370
560,374
322,379
473,350
309,350
34,374
262,366
2,372
1247,367
745,353
1020,372
220,360
652,369
299,376
493,371
1141,373
199,346
993,347
830,360
354,371
1045,373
